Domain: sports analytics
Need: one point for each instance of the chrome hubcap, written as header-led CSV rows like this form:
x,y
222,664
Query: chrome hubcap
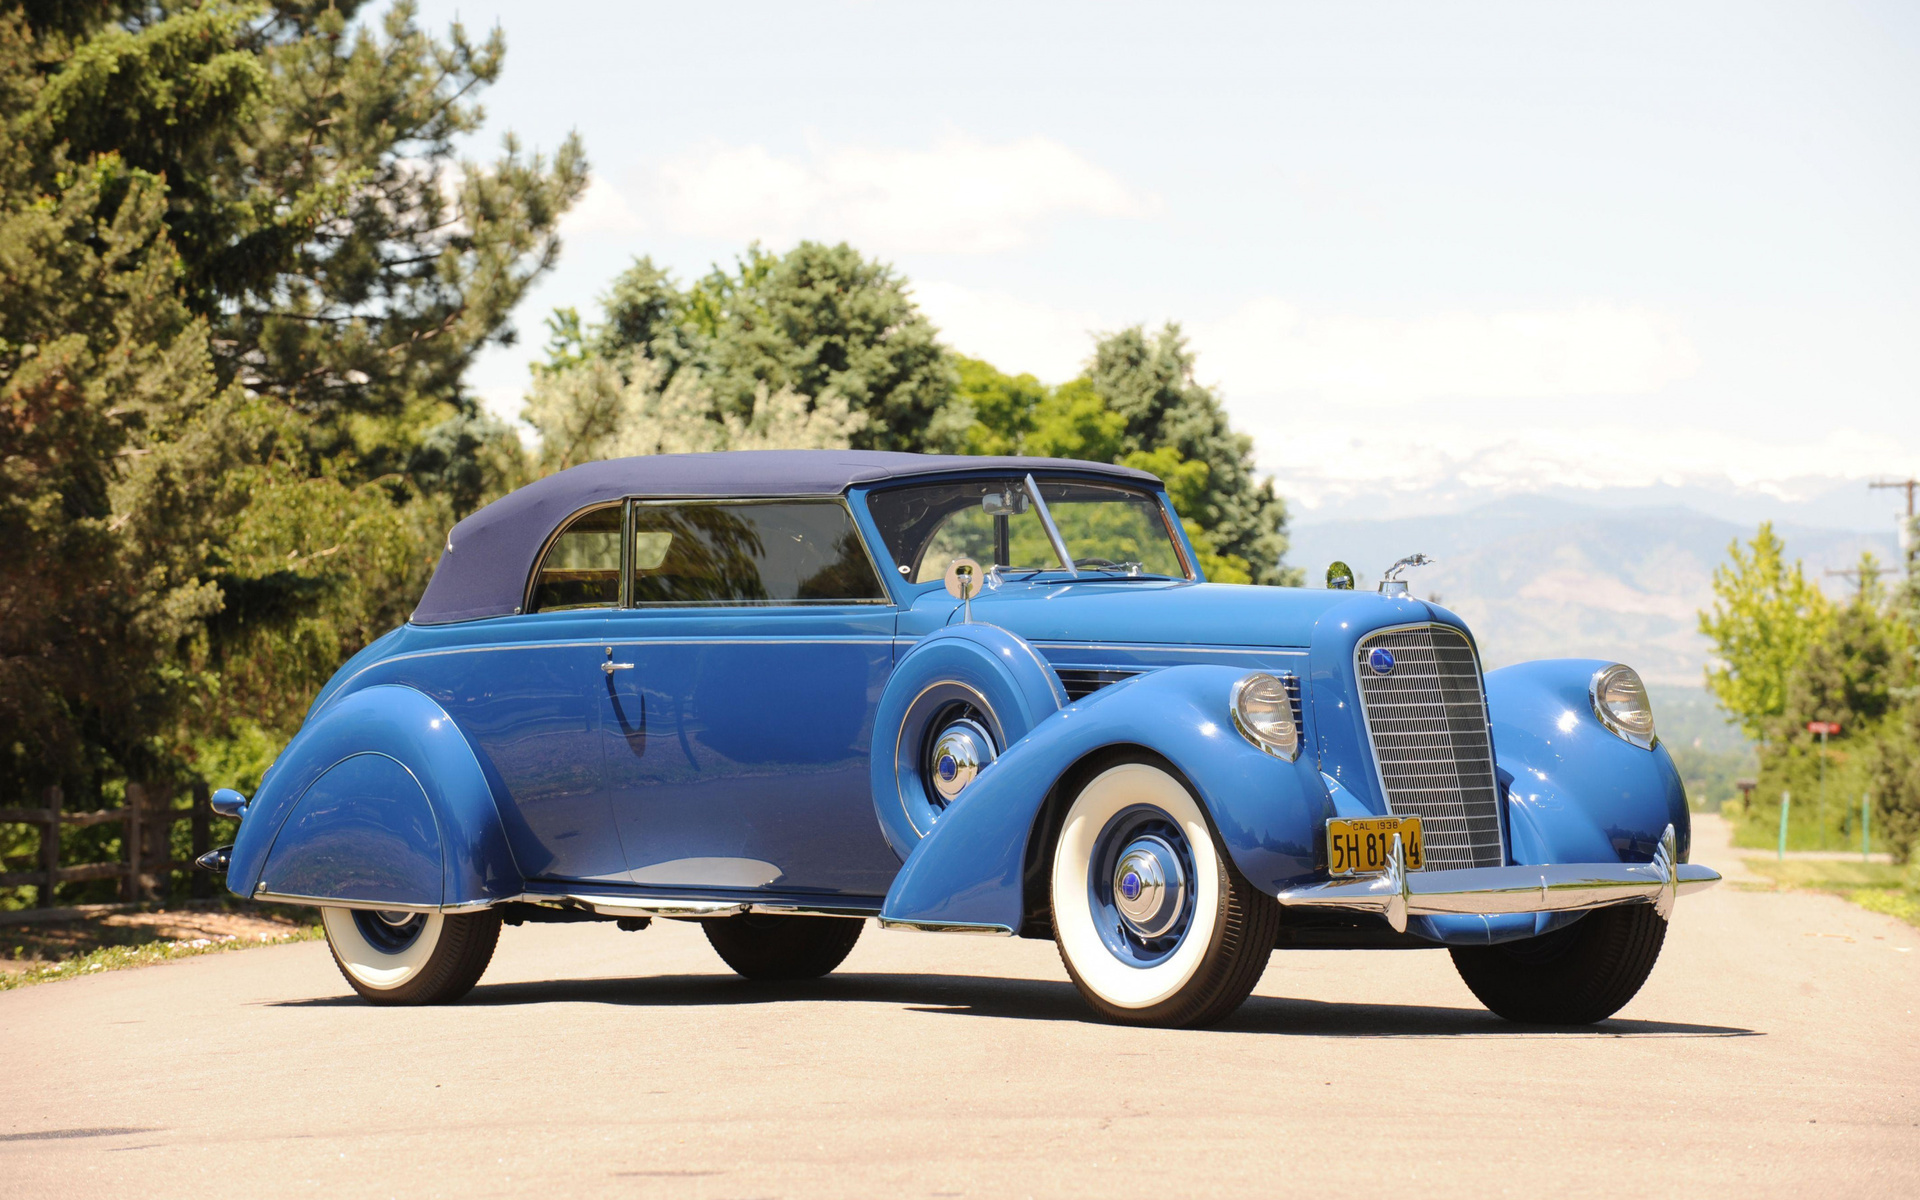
x,y
961,751
1149,886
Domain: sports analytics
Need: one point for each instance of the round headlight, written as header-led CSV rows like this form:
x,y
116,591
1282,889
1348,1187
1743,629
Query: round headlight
x,y
1263,712
1620,701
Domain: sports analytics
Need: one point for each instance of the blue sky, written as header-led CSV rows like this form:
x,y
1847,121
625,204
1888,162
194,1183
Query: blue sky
x,y
1423,249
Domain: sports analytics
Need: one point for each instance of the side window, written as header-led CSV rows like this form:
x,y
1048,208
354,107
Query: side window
x,y
582,567
791,552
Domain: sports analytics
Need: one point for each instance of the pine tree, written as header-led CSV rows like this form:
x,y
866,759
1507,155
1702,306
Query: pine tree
x,y
241,275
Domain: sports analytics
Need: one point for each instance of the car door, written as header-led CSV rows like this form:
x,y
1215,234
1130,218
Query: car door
x,y
748,665
528,691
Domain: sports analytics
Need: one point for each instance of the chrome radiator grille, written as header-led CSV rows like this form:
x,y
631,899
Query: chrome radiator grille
x,y
1427,717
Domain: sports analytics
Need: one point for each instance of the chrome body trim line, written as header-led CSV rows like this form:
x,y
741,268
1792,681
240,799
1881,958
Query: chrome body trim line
x,y
262,894
1166,648
947,927
1399,894
813,910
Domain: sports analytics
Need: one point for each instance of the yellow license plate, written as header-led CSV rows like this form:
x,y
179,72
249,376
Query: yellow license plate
x,y
1360,847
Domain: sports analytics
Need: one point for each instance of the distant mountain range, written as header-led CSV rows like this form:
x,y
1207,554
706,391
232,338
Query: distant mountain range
x,y
1545,577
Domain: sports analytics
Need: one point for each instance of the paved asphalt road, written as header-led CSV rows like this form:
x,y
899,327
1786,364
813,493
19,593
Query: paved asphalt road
x,y
1774,1053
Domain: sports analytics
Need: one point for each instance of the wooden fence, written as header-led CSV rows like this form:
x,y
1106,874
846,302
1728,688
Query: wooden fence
x,y
147,819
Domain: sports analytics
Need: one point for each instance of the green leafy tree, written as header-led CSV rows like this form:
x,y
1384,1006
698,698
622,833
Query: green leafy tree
x,y
1765,617
1851,669
1019,415
608,408
824,323
1895,761
1004,406
1895,781
1149,382
817,321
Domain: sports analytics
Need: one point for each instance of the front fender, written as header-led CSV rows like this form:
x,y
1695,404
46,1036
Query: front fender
x,y
967,872
1576,792
379,798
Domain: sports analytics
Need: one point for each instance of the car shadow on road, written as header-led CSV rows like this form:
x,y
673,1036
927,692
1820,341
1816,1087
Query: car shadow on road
x,y
1039,1000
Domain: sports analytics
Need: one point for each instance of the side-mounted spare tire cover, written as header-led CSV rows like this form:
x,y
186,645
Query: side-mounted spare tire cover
x,y
979,673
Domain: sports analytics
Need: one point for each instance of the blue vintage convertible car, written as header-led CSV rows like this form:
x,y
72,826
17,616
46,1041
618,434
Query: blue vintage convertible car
x,y
781,692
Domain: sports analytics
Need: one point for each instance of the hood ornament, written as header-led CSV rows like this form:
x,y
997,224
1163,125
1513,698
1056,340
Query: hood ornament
x,y
1391,584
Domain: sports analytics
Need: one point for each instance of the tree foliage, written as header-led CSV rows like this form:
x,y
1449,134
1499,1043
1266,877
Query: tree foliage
x,y
612,408
841,335
817,322
1149,382
1765,616
241,275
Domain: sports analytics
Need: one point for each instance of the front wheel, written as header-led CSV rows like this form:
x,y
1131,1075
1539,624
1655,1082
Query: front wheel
x,y
1573,976
1152,921
765,947
410,957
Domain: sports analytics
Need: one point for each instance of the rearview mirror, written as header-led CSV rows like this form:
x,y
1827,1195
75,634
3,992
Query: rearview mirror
x,y
1006,504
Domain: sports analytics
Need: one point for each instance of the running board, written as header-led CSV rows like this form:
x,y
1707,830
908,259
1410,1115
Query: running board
x,y
690,908
603,905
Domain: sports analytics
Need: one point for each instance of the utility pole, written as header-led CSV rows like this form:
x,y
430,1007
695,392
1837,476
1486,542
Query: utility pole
x,y
1909,486
1862,577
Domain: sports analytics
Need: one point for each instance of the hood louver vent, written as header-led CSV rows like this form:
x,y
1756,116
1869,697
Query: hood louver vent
x,y
1081,683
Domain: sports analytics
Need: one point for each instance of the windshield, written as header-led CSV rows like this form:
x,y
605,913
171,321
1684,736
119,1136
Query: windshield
x,y
1109,530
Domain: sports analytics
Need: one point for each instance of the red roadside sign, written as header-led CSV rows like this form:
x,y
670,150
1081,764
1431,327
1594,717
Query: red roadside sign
x,y
1826,727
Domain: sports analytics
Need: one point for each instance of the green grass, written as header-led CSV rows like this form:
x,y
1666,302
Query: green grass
x,y
120,958
1877,886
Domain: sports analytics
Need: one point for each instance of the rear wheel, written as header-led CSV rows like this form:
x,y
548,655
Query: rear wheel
x,y
1152,921
1573,976
771,948
410,957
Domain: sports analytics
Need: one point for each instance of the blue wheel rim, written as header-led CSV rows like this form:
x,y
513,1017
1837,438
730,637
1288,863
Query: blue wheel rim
x,y
1127,828
391,932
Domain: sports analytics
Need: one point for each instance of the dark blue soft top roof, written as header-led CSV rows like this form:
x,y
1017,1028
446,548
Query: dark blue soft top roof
x,y
483,571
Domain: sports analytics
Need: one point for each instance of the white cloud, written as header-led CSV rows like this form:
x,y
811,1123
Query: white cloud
x,y
1326,463
1269,347
1013,334
602,209
961,196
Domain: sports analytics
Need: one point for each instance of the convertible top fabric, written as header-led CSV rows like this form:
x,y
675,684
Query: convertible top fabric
x,y
483,570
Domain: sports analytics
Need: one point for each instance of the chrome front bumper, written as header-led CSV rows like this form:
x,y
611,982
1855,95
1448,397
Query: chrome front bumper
x,y
1399,893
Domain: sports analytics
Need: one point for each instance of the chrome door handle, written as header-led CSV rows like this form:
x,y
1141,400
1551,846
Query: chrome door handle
x,y
611,667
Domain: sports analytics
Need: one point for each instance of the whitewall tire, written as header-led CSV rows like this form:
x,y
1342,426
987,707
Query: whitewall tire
x,y
410,958
1153,923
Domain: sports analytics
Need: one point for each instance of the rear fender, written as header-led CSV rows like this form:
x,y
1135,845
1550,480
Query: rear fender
x,y
1576,792
378,800
968,871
